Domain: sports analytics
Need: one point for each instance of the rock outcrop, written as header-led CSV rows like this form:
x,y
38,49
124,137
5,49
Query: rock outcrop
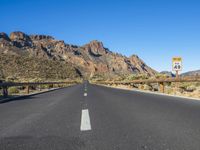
x,y
90,59
95,48
20,39
4,40
15,36
4,36
41,37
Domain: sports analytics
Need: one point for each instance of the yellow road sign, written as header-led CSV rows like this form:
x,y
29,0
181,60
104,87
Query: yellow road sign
x,y
176,63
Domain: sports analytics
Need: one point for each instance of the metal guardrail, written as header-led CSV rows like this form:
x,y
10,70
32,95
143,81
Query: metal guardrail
x,y
6,85
161,82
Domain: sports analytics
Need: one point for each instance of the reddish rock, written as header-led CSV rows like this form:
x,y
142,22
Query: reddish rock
x,y
95,48
90,59
14,36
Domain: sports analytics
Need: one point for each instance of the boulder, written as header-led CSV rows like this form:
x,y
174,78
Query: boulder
x,y
15,36
4,36
20,39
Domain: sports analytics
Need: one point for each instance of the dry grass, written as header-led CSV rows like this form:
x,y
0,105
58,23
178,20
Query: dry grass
x,y
24,68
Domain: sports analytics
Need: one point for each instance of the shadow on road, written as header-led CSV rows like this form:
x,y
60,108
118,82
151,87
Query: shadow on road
x,y
15,98
47,142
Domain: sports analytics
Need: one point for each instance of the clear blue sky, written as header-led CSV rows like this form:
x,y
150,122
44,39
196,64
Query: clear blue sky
x,y
155,30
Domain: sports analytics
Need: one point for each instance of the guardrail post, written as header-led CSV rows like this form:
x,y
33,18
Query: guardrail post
x,y
40,88
27,89
162,87
50,86
5,91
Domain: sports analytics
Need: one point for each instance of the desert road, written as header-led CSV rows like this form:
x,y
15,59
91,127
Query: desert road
x,y
91,117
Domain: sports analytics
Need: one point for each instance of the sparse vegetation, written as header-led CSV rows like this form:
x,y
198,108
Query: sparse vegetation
x,y
24,68
13,90
160,76
136,77
191,89
1,74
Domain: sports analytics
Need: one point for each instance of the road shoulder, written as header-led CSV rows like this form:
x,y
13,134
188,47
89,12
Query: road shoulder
x,y
150,92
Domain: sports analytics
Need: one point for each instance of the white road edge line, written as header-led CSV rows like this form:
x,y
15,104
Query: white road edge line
x,y
85,121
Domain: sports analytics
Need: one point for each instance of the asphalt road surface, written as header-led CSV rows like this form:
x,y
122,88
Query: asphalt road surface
x,y
91,117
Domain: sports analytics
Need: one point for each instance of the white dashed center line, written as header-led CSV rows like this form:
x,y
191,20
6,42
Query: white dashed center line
x,y
85,94
85,121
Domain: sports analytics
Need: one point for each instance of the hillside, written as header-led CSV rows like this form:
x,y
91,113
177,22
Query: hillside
x,y
168,73
36,53
22,68
191,73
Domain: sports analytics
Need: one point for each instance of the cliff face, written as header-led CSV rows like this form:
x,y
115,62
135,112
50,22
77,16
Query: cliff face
x,y
90,59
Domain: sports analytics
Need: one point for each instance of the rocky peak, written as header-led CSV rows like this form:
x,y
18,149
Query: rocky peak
x,y
20,39
15,36
41,37
134,56
4,36
96,48
136,59
96,44
90,59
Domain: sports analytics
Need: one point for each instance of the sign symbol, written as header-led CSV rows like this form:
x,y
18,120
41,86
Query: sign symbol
x,y
177,64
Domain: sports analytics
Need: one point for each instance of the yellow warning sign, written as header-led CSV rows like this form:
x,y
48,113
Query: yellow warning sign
x,y
176,63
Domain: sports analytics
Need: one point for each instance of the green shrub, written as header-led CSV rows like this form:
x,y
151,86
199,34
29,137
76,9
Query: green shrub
x,y
13,90
43,86
137,77
197,84
160,76
188,87
191,88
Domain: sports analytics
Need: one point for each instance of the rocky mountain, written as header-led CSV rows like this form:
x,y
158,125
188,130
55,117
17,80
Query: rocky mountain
x,y
191,73
88,60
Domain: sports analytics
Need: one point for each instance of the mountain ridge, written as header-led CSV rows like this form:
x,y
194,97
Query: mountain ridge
x,y
191,73
90,59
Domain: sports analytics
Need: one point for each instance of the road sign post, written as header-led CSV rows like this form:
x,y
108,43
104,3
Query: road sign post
x,y
177,67
177,75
